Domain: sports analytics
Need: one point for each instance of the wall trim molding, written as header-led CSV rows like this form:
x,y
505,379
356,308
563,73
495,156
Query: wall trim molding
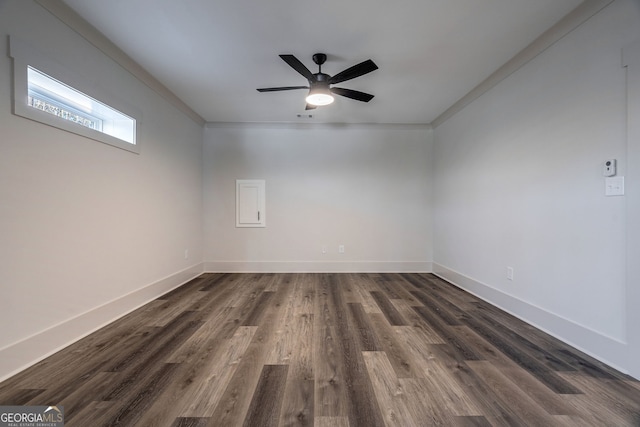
x,y
631,60
88,32
567,24
317,267
19,356
300,125
602,347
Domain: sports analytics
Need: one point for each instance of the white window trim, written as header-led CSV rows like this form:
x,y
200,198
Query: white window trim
x,y
24,56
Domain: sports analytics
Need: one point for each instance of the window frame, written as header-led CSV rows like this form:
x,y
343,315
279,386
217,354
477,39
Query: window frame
x,y
25,56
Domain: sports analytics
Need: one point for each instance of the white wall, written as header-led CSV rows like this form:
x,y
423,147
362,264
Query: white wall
x,y
631,56
519,183
88,231
366,187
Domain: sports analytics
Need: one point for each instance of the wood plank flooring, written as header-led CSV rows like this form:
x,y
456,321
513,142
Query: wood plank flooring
x,y
324,350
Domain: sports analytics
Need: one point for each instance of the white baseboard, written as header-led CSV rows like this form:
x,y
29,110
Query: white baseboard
x,y
318,267
29,351
604,348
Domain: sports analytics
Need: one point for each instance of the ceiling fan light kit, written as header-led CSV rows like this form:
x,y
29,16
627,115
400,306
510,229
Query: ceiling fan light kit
x,y
319,96
320,92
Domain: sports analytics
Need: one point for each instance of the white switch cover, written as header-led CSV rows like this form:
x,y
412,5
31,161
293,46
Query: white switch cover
x,y
614,186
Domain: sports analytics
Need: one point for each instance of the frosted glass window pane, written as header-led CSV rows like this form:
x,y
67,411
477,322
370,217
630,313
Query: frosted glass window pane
x,y
54,97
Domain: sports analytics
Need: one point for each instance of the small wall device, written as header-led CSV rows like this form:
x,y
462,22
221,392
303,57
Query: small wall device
x,y
610,168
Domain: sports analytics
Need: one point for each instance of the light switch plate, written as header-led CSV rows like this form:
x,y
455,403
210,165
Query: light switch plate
x,y
614,186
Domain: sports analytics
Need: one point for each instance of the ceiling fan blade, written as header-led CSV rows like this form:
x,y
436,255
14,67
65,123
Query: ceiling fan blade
x,y
353,72
276,89
353,94
298,66
310,107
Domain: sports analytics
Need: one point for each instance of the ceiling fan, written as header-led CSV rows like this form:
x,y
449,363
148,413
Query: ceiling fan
x,y
320,92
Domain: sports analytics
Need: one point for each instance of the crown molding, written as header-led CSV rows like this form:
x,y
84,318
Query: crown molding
x,y
299,125
77,23
570,22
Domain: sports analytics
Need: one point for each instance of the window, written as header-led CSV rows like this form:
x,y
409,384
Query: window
x,y
54,101
49,95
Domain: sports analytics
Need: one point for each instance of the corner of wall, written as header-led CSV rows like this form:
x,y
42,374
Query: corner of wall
x,y
596,345
29,351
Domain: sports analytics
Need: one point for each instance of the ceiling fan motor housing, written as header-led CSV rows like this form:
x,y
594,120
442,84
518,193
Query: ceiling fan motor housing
x,y
319,58
321,79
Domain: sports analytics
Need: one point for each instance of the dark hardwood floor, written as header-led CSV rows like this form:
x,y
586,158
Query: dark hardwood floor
x,y
324,350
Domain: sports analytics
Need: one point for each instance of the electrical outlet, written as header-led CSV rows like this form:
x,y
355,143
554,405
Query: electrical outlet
x,y
324,249
509,273
341,249
186,254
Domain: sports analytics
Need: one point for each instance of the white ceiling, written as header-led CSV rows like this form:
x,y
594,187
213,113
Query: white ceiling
x,y
213,54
